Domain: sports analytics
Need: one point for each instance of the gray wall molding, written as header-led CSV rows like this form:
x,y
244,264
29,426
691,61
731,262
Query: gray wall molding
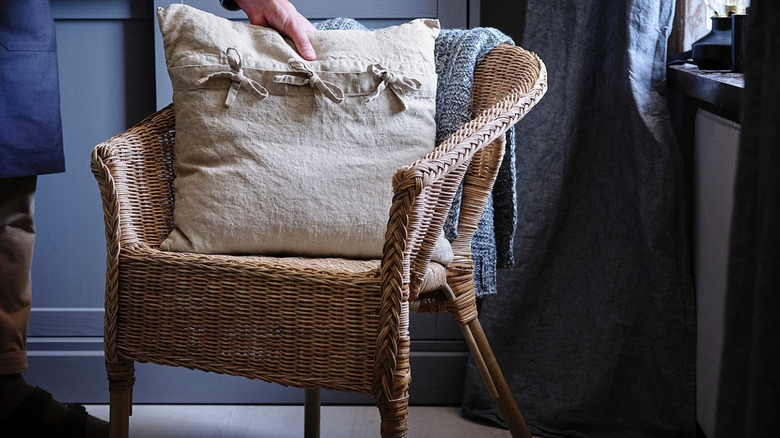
x,y
73,370
65,321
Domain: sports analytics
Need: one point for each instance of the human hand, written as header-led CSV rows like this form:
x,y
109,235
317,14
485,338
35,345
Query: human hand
x,y
282,16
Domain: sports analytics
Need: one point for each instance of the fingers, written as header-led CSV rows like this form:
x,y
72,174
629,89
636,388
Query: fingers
x,y
282,16
298,32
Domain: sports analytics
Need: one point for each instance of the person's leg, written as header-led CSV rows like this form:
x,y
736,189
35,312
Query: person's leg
x,y
17,236
26,411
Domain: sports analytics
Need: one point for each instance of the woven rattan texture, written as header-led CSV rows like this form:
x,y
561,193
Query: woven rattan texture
x,y
311,323
243,317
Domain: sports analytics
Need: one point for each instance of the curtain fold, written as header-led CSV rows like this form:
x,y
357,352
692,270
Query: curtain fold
x,y
594,328
749,390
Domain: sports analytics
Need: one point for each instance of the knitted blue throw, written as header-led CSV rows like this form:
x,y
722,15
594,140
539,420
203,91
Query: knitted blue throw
x,y
457,52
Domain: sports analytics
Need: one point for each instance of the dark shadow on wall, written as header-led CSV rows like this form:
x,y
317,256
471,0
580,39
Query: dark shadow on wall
x,y
505,15
139,62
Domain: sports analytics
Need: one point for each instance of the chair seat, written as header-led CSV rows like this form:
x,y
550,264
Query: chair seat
x,y
201,312
162,324
435,277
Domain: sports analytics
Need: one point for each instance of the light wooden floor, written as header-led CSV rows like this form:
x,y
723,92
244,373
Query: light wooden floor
x,y
191,421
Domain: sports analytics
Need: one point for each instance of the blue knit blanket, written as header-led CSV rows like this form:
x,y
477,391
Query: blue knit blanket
x,y
457,52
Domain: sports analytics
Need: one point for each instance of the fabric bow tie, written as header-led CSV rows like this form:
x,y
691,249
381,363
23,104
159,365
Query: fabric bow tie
x,y
320,87
398,83
236,75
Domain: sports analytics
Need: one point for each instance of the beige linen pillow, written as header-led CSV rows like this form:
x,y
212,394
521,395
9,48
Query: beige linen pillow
x,y
281,156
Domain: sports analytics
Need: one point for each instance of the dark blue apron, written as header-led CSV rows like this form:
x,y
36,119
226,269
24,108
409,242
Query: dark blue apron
x,y
30,124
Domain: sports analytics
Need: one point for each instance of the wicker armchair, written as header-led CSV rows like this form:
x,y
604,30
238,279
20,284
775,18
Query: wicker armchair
x,y
309,323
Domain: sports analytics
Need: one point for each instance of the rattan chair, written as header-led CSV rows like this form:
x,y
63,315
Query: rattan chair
x,y
315,324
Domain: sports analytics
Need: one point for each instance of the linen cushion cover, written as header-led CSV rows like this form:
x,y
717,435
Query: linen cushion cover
x,y
281,156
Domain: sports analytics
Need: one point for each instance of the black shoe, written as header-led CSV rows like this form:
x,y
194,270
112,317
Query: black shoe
x,y
39,415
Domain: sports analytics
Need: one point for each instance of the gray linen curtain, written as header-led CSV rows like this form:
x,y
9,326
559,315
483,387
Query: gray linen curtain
x,y
594,327
749,391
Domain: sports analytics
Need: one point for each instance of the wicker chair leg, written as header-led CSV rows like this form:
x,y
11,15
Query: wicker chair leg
x,y
394,416
121,377
311,414
494,378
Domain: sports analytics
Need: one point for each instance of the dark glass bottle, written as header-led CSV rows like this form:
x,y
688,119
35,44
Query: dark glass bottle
x,y
713,51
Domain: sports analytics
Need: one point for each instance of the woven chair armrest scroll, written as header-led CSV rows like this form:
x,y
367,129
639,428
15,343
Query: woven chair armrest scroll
x,y
138,165
423,195
508,77
424,190
102,161
494,87
101,155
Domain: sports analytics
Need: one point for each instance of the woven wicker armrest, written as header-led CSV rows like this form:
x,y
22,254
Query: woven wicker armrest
x,y
136,169
425,189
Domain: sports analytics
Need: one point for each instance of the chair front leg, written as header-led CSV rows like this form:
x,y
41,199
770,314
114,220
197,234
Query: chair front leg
x,y
394,415
121,377
394,407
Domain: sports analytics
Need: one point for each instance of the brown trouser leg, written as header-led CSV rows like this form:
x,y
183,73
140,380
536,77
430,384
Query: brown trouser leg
x,y
17,236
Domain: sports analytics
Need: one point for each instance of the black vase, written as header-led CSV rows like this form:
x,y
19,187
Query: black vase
x,y
713,51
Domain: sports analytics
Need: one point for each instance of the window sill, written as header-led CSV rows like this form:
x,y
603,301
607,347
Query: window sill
x,y
717,91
